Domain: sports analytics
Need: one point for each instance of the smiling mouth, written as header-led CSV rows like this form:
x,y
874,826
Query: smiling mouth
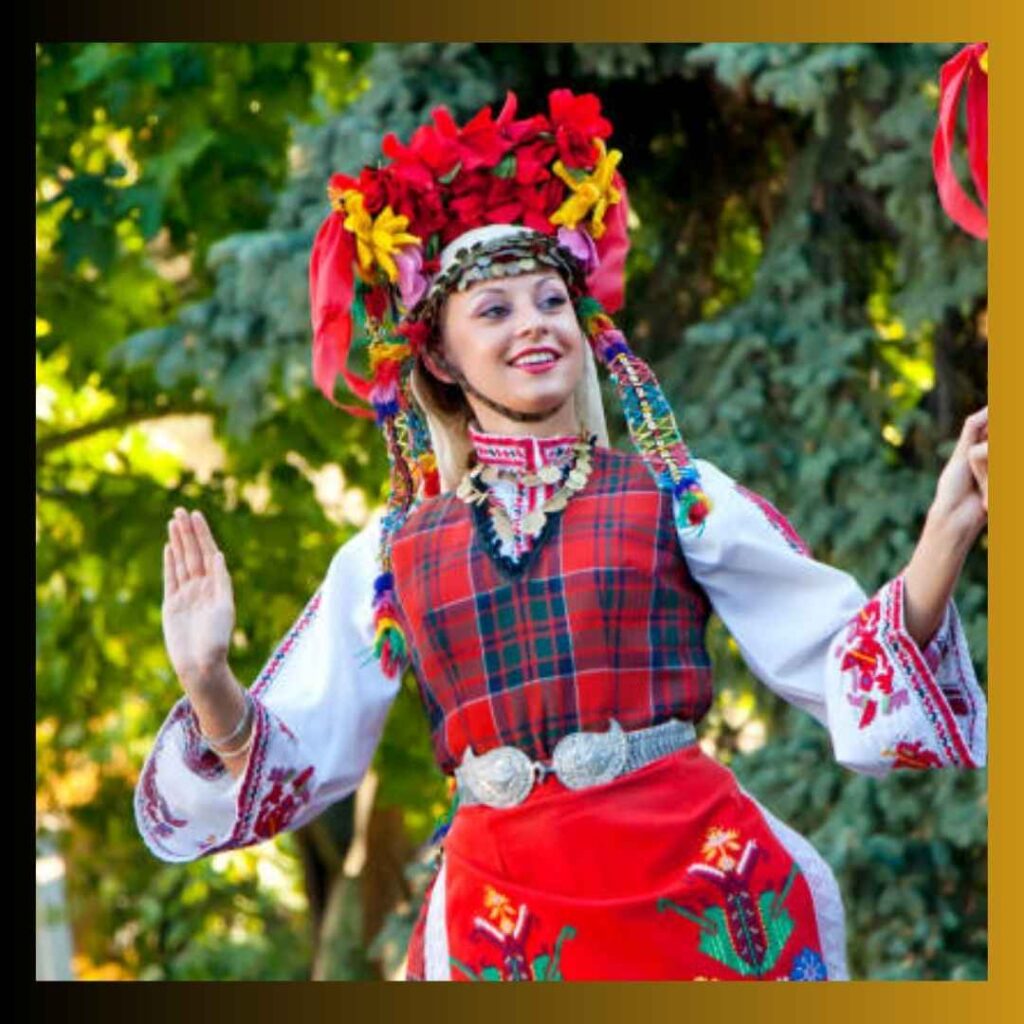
x,y
535,362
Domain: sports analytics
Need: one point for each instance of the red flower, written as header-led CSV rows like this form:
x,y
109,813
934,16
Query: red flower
x,y
425,209
505,201
540,202
533,161
371,183
478,144
466,207
520,132
577,121
340,182
423,161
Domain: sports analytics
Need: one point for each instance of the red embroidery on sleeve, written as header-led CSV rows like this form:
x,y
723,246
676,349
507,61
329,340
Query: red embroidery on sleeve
x,y
197,754
288,795
864,657
914,755
780,523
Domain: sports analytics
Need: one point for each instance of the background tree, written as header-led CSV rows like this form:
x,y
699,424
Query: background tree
x,y
818,323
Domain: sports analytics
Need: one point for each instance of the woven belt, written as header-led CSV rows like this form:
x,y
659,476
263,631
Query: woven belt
x,y
504,776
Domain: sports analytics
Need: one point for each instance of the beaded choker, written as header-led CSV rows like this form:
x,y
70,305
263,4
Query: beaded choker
x,y
471,491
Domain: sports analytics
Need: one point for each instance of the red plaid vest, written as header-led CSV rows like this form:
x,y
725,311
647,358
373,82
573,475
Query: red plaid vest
x,y
600,620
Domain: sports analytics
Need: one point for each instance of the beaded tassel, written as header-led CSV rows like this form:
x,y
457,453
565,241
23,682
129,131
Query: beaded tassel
x,y
651,422
388,359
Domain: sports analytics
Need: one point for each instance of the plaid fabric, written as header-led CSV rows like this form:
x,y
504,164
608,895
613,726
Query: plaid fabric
x,y
601,619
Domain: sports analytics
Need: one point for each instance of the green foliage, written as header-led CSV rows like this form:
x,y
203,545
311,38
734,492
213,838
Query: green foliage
x,y
146,155
817,321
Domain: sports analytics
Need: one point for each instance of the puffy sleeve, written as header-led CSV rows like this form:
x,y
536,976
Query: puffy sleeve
x,y
320,704
810,634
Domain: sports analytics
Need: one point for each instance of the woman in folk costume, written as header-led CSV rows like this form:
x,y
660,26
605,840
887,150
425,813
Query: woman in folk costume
x,y
550,594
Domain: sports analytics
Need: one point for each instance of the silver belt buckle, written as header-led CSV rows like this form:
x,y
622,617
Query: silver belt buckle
x,y
503,777
500,778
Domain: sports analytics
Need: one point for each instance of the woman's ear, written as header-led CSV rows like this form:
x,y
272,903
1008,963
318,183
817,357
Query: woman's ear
x,y
432,365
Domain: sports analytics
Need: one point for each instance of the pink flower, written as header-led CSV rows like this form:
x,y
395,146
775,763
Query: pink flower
x,y
412,282
581,245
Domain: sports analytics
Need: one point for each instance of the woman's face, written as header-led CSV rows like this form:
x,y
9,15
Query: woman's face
x,y
486,331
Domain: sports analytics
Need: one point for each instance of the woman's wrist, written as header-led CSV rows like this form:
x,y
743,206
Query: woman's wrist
x,y
208,680
222,709
948,537
931,575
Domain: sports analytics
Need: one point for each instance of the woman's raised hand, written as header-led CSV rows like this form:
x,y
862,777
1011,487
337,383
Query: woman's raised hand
x,y
199,606
961,495
957,516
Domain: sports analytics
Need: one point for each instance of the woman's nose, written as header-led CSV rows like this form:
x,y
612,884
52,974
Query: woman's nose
x,y
530,326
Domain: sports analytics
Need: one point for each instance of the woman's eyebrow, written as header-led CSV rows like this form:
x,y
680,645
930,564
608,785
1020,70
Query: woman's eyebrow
x,y
494,290
503,293
550,279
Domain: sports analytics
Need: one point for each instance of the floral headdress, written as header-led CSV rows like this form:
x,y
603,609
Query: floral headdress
x,y
403,234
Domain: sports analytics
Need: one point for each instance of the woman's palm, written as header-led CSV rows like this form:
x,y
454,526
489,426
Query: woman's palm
x,y
198,607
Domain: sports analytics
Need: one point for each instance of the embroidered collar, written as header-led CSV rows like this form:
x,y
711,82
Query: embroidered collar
x,y
526,453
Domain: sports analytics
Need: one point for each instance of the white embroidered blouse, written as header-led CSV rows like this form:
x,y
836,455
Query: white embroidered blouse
x,y
806,630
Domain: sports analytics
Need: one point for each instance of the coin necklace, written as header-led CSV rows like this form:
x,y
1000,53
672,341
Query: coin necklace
x,y
470,491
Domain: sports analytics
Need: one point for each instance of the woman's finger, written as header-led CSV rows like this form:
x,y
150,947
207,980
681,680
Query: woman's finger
x,y
205,539
213,556
170,576
977,459
220,572
193,553
177,552
975,427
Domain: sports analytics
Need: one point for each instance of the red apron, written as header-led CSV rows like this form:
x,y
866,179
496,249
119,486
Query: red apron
x,y
667,872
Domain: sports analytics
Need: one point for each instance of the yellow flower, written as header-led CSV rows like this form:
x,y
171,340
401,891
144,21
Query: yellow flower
x,y
721,844
376,240
594,192
500,909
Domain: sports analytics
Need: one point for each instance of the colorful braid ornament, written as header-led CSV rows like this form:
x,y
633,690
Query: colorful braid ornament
x,y
392,249
651,422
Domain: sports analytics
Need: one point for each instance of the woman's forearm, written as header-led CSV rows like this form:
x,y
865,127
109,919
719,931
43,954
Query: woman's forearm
x,y
218,700
931,575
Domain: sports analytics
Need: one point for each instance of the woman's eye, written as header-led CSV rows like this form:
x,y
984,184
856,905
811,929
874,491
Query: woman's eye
x,y
492,312
553,301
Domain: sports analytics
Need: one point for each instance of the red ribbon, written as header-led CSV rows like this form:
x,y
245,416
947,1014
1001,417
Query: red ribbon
x,y
331,286
607,281
963,68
